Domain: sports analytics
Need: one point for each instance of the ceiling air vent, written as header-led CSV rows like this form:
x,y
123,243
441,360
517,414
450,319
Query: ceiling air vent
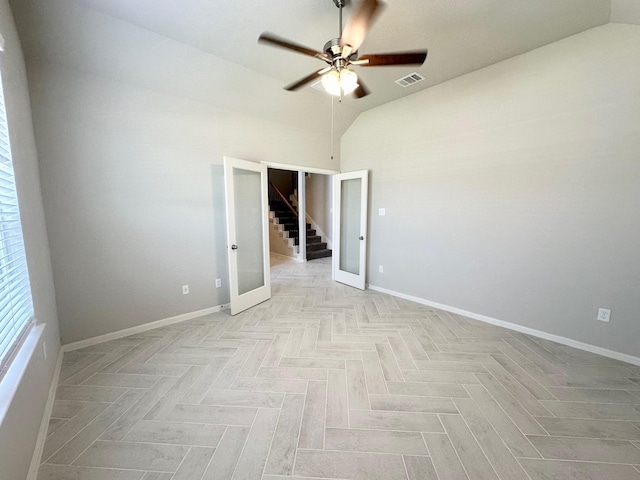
x,y
410,79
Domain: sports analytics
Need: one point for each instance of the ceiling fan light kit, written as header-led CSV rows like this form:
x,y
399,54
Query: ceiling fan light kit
x,y
341,53
340,83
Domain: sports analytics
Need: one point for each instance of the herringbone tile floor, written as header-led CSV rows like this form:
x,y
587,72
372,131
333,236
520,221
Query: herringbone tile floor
x,y
324,381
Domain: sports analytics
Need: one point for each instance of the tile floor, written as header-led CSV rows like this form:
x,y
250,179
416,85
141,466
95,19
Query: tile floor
x,y
327,382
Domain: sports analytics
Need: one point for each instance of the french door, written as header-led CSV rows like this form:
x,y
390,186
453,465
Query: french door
x,y
350,193
247,233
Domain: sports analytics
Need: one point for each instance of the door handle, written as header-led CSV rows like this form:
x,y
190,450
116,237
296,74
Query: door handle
x,y
234,247
361,237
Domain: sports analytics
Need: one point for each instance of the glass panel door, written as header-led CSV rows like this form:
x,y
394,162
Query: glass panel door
x,y
247,233
350,227
248,219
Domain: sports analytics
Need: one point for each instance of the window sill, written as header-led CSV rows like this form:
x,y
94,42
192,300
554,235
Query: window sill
x,y
11,380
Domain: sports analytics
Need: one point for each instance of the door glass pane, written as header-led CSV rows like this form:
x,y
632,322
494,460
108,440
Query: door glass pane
x,y
350,225
247,189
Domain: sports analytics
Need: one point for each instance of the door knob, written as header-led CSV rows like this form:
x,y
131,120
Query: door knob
x,y
234,247
361,237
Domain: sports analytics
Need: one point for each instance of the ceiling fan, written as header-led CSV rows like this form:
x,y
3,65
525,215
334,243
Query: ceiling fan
x,y
342,53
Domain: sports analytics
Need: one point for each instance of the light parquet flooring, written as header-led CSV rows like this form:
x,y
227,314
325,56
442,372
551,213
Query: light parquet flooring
x,y
327,382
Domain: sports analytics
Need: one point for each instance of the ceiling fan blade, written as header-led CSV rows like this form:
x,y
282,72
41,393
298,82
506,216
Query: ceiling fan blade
x,y
390,59
276,41
360,22
361,91
309,78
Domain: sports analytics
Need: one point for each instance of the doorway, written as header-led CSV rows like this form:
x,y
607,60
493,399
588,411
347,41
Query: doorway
x,y
300,213
249,191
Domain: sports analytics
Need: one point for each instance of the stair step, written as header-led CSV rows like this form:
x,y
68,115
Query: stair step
x,y
310,233
311,239
284,215
312,247
318,254
289,224
316,248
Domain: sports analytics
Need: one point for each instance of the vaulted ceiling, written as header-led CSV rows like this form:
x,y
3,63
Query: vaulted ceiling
x,y
207,50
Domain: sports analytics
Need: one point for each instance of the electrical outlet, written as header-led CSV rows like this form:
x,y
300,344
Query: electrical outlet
x,y
382,212
218,282
185,289
604,314
44,349
380,269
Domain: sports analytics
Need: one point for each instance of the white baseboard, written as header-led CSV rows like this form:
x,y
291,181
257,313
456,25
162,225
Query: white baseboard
x,y
44,424
69,347
623,357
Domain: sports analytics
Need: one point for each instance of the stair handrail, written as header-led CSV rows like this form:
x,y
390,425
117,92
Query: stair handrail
x,y
284,199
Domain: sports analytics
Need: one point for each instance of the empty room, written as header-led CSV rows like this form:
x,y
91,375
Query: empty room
x,y
319,240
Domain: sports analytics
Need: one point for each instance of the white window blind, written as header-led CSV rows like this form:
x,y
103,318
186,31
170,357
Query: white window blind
x,y
16,306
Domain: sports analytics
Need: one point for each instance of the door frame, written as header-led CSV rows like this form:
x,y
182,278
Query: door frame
x,y
302,202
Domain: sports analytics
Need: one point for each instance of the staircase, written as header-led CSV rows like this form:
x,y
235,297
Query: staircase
x,y
316,248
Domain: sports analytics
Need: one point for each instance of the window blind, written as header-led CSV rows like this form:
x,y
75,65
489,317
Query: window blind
x,y
16,306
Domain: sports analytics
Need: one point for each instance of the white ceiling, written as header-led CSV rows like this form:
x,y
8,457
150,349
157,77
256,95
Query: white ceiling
x,y
207,50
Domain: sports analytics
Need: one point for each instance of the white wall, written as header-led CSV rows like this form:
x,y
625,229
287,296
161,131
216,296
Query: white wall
x,y
513,192
67,32
134,195
23,391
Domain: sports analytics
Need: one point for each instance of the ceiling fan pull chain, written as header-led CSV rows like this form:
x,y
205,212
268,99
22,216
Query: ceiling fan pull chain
x,y
331,127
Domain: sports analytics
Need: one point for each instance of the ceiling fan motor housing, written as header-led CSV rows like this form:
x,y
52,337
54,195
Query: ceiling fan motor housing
x,y
333,49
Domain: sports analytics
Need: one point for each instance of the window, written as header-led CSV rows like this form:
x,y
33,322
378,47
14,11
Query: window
x,y
16,306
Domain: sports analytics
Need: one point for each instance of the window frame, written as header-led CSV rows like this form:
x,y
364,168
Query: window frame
x,y
17,316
